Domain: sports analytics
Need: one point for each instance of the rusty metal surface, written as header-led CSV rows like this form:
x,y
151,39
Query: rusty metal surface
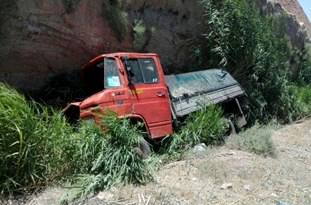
x,y
191,91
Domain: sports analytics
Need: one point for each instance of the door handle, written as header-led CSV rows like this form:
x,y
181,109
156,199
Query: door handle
x,y
117,93
160,94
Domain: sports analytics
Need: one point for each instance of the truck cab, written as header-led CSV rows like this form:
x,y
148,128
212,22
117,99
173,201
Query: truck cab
x,y
129,84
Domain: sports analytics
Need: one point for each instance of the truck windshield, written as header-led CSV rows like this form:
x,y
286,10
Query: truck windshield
x,y
142,71
102,75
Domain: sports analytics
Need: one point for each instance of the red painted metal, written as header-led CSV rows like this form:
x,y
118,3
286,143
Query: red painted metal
x,y
149,103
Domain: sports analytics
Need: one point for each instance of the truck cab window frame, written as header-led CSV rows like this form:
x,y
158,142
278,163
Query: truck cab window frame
x,y
102,75
142,71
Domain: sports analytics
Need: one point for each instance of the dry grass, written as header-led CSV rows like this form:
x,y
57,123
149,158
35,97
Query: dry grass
x,y
256,139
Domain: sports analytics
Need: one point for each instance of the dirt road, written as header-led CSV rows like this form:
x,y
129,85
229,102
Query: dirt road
x,y
224,176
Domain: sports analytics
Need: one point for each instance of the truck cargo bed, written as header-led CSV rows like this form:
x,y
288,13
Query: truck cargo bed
x,y
192,91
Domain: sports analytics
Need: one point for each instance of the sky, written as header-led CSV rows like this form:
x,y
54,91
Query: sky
x,y
306,4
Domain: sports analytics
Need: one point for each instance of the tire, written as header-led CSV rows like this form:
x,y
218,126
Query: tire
x,y
143,149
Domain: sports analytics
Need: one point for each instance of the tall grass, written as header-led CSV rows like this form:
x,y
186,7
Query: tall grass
x,y
32,140
38,146
205,126
256,139
111,160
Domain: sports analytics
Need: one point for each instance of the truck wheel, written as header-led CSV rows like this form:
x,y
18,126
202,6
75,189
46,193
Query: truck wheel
x,y
143,149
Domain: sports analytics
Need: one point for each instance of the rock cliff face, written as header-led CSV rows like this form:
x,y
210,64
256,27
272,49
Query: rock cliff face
x,y
294,8
42,39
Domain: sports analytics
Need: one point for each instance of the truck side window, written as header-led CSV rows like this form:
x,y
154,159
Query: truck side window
x,y
142,71
134,71
149,70
111,74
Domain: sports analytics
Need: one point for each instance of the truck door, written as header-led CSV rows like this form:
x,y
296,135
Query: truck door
x,y
150,96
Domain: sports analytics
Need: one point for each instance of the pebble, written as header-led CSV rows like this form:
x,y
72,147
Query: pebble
x,y
227,186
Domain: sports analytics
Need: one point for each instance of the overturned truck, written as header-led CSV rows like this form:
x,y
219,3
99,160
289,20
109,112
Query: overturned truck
x,y
134,86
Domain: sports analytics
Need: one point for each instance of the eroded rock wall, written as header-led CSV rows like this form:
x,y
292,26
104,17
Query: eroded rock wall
x,y
40,39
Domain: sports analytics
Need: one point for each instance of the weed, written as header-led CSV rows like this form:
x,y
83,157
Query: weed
x,y
205,126
256,139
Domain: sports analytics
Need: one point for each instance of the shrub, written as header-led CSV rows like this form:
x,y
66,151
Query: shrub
x,y
33,143
205,126
105,161
38,146
256,139
302,95
255,49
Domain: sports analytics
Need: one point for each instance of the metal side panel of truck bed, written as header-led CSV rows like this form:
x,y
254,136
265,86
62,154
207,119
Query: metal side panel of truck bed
x,y
191,91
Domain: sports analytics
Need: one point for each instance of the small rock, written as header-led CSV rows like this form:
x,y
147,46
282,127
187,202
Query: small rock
x,y
283,203
227,186
274,195
247,187
200,149
105,196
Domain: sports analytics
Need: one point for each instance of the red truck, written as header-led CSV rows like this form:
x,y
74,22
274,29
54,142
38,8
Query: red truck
x,y
134,86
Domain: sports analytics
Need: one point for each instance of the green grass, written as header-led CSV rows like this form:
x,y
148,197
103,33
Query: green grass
x,y
38,146
302,96
256,140
33,142
205,126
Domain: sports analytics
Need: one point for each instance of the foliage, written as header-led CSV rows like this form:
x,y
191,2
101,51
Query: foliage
x,y
205,126
38,146
33,143
139,30
117,18
107,161
305,72
302,95
256,139
255,50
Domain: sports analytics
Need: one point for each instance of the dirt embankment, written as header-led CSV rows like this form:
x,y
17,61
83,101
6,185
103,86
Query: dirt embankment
x,y
223,176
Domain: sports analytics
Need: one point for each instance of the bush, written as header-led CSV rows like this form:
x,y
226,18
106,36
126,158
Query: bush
x,y
256,139
110,160
33,143
205,126
38,146
255,49
302,95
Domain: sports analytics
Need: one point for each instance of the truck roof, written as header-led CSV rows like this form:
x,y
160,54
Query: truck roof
x,y
119,55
